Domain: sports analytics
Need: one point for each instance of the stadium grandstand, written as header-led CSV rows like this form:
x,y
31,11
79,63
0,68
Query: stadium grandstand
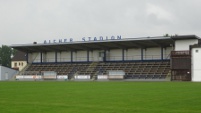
x,y
163,58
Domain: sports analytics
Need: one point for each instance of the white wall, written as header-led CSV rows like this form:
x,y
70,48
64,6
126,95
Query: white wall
x,y
152,53
19,64
166,52
114,54
64,56
80,56
196,67
133,54
34,57
181,45
94,55
7,73
49,57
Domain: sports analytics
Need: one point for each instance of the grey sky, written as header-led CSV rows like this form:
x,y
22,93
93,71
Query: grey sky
x,y
26,21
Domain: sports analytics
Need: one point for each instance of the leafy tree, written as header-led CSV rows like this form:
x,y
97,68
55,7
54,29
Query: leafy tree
x,y
5,55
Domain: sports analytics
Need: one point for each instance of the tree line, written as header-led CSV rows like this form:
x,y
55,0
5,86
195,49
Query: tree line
x,y
5,55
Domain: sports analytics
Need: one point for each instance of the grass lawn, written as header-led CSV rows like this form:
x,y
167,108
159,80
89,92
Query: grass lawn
x,y
100,97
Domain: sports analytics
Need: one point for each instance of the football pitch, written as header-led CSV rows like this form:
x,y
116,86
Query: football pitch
x,y
100,97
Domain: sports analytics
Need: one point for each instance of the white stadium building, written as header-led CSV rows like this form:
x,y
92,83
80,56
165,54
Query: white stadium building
x,y
163,58
6,73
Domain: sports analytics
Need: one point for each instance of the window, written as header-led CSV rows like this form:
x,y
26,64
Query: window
x,y
15,64
196,51
22,64
19,63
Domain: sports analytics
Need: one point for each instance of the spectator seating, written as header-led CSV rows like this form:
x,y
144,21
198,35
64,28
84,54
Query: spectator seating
x,y
133,70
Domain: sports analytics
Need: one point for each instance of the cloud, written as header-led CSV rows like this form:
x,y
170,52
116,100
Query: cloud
x,y
157,13
26,21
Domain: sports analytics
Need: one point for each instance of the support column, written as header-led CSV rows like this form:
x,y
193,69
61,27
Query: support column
x,y
27,57
87,55
55,56
71,56
122,54
126,55
41,57
142,55
104,58
92,56
161,53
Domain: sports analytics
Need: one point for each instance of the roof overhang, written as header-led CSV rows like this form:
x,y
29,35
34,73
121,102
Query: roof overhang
x,y
125,43
184,37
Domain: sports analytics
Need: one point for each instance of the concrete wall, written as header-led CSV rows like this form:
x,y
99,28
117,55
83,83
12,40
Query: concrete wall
x,y
133,54
114,54
94,55
152,53
97,55
7,73
64,56
166,52
80,56
49,57
148,53
196,67
181,45
30,59
34,57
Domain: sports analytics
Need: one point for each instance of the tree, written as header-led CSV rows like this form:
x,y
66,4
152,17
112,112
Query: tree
x,y
5,55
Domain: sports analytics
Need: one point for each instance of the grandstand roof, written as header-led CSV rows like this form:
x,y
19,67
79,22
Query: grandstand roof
x,y
184,37
126,43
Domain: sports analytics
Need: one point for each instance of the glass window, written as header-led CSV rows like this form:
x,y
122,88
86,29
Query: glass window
x,y
15,64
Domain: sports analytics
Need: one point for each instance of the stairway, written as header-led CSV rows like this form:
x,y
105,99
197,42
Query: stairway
x,y
92,70
20,72
24,69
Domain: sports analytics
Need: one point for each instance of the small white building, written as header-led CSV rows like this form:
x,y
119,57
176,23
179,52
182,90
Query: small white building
x,y
6,73
19,61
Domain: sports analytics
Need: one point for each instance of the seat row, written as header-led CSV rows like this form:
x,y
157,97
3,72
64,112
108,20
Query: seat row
x,y
131,69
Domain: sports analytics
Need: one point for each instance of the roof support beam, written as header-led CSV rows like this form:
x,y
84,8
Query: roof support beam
x,y
67,48
100,46
85,47
47,48
136,44
154,42
120,46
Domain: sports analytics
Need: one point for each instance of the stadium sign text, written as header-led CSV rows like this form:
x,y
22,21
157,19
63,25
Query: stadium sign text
x,y
101,38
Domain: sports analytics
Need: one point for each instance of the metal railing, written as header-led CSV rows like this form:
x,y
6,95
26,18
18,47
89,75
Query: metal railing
x,y
180,53
109,58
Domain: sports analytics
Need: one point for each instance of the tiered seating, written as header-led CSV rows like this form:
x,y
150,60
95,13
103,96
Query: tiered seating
x,y
148,70
61,69
137,70
133,70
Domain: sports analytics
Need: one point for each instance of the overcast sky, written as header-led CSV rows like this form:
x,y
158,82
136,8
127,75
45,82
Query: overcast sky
x,y
26,21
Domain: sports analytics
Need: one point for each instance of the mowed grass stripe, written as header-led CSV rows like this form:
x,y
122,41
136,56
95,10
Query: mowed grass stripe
x,y
100,97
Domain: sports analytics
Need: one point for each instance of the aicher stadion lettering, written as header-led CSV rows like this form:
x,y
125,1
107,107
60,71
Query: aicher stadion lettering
x,y
101,38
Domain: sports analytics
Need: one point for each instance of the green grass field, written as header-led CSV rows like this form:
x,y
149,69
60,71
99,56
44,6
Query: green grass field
x,y
100,97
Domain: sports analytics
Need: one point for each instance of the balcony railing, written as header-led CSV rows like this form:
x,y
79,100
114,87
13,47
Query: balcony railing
x,y
180,53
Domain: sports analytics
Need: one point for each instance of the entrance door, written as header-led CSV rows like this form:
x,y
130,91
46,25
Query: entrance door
x,y
101,56
6,76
